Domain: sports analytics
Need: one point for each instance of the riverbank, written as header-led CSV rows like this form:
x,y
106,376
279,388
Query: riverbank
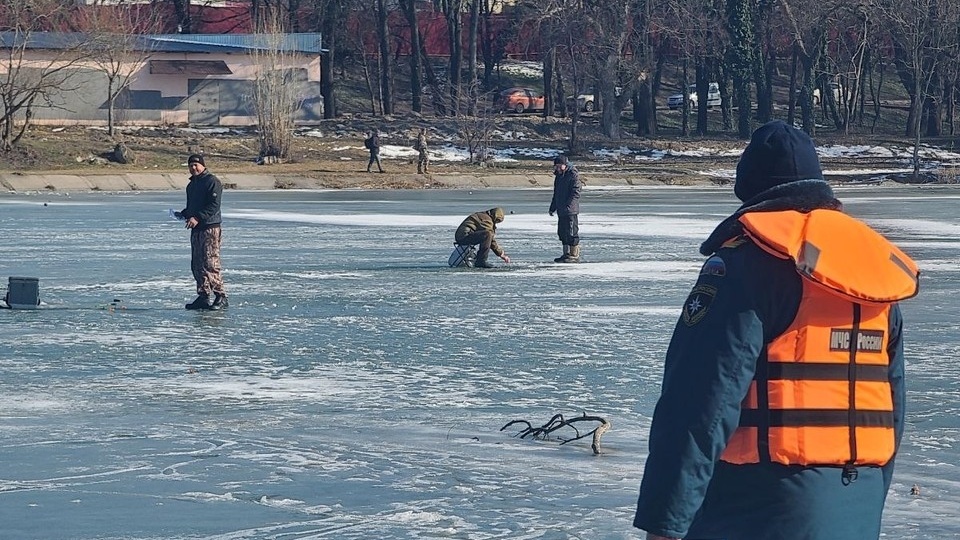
x,y
59,182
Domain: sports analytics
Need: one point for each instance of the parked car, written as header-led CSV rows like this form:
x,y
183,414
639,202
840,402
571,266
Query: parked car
x,y
587,102
675,101
834,89
519,100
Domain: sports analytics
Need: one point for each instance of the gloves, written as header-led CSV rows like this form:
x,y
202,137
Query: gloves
x,y
551,214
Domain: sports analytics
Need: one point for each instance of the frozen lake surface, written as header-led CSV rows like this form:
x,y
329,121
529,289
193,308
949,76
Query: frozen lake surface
x,y
356,386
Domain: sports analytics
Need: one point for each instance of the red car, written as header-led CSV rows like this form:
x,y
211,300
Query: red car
x,y
519,100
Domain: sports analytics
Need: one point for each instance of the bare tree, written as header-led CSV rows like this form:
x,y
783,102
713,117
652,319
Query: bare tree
x,y
277,89
850,46
646,63
30,81
608,22
476,128
119,51
409,8
473,34
181,10
739,60
493,38
453,11
809,21
386,71
694,31
923,32
332,23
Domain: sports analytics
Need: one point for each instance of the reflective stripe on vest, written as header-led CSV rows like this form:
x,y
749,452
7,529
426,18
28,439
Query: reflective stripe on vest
x,y
821,393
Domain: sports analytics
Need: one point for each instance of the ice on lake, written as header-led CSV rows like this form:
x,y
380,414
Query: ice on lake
x,y
356,386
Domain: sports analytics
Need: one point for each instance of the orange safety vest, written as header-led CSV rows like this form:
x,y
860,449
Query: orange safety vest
x,y
821,393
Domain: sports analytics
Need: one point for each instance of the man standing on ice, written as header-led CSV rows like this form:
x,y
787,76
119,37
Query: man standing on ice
x,y
202,215
566,204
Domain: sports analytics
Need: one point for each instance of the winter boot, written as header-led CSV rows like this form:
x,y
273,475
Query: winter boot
x,y
481,261
573,256
202,302
566,254
219,302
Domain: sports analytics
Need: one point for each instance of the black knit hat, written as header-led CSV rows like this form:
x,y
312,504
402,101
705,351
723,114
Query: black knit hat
x,y
777,154
560,160
196,158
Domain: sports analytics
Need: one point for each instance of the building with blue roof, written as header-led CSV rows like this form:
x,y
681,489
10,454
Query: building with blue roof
x,y
177,79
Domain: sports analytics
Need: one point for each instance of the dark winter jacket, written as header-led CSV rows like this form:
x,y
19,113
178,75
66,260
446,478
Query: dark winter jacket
x,y
566,192
203,200
482,221
374,145
743,299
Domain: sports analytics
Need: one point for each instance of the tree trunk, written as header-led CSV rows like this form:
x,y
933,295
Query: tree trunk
x,y
439,106
549,63
181,9
702,77
609,115
328,82
643,107
685,106
792,90
416,78
489,47
473,37
455,35
739,61
762,66
111,101
559,91
383,37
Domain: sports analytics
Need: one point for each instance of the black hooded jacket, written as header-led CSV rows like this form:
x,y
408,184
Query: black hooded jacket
x,y
566,192
203,200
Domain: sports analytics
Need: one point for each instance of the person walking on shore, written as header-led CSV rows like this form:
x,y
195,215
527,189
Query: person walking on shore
x,y
566,204
202,215
373,144
782,404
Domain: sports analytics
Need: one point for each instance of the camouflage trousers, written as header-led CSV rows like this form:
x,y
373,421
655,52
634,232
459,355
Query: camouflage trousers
x,y
205,261
422,162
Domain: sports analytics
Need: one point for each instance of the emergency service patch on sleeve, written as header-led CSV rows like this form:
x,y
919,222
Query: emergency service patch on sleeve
x,y
698,303
734,242
714,267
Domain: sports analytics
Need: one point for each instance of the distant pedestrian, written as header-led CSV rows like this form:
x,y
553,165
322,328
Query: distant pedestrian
x,y
480,228
421,147
202,214
373,144
566,204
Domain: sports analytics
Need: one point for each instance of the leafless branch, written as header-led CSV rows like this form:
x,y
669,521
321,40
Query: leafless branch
x,y
558,422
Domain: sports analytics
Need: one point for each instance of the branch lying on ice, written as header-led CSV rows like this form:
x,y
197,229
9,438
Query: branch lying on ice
x,y
558,422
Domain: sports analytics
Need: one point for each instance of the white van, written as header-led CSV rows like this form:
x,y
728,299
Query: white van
x,y
675,101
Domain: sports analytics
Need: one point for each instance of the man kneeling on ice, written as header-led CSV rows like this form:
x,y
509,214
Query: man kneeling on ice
x,y
480,229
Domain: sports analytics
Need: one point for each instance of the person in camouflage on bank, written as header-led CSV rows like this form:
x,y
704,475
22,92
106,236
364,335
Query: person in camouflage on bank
x,y
421,147
202,215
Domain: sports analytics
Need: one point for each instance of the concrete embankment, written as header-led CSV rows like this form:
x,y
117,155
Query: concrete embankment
x,y
32,182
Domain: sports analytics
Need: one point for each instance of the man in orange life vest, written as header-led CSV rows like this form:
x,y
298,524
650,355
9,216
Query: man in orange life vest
x,y
782,402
